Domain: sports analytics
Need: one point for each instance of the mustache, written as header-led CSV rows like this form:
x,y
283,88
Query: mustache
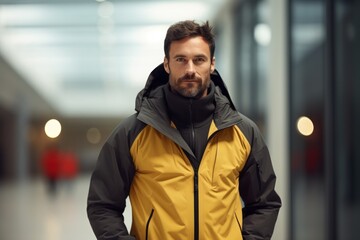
x,y
189,77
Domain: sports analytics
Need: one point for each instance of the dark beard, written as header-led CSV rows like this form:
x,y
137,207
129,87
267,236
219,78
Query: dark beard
x,y
196,93
191,91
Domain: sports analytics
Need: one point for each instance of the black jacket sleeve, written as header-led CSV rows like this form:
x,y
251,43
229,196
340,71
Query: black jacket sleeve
x,y
257,183
109,187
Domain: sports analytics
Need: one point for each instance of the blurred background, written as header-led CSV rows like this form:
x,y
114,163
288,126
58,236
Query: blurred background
x,y
70,71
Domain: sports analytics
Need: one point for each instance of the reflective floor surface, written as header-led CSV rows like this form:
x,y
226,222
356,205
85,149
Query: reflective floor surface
x,y
28,211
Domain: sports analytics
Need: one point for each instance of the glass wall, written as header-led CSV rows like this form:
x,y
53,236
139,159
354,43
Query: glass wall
x,y
307,49
347,117
252,36
324,114
323,105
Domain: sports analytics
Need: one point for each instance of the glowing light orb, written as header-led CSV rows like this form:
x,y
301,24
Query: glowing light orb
x,y
305,126
52,128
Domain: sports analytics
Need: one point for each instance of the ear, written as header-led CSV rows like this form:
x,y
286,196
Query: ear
x,y
212,66
166,65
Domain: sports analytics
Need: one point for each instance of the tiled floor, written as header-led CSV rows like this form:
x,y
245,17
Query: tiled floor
x,y
28,212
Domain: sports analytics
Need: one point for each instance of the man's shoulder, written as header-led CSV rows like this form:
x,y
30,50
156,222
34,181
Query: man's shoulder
x,y
246,120
129,123
246,124
128,127
251,129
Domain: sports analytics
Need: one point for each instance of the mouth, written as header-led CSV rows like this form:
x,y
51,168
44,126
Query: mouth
x,y
189,79
189,82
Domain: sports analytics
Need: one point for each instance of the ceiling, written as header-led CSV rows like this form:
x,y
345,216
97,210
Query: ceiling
x,y
89,58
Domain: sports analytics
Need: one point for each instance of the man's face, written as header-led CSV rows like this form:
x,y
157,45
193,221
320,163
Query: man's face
x,y
189,67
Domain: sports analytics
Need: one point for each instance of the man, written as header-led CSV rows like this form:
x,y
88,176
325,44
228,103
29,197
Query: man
x,y
193,166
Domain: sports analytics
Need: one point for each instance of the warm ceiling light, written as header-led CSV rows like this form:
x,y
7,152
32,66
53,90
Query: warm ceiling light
x,y
52,128
305,126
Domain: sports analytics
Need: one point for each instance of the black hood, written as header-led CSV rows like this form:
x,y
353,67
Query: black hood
x,y
159,77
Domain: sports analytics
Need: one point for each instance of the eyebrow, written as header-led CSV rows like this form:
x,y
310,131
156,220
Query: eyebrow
x,y
198,55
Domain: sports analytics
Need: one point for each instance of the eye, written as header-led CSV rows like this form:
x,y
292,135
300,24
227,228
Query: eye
x,y
180,59
199,60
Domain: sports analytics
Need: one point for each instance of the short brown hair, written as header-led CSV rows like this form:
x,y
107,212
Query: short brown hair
x,y
188,28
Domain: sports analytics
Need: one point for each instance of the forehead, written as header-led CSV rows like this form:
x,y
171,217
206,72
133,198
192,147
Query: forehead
x,y
189,46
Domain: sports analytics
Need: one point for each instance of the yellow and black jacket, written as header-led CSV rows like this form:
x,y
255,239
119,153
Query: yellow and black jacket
x,y
228,194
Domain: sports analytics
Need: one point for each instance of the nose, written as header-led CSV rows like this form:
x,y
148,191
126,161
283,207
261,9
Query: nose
x,y
190,67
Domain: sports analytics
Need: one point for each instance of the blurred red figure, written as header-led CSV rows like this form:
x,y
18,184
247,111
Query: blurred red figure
x,y
69,165
51,167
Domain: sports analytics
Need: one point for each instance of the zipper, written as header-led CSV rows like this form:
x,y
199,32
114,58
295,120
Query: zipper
x,y
196,205
192,127
147,225
196,181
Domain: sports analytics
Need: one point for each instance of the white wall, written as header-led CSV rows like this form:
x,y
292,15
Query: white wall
x,y
277,114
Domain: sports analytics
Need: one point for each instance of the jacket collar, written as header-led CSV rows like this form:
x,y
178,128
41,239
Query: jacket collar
x,y
159,77
152,108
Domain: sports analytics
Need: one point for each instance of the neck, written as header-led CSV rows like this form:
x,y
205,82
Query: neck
x,y
184,111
